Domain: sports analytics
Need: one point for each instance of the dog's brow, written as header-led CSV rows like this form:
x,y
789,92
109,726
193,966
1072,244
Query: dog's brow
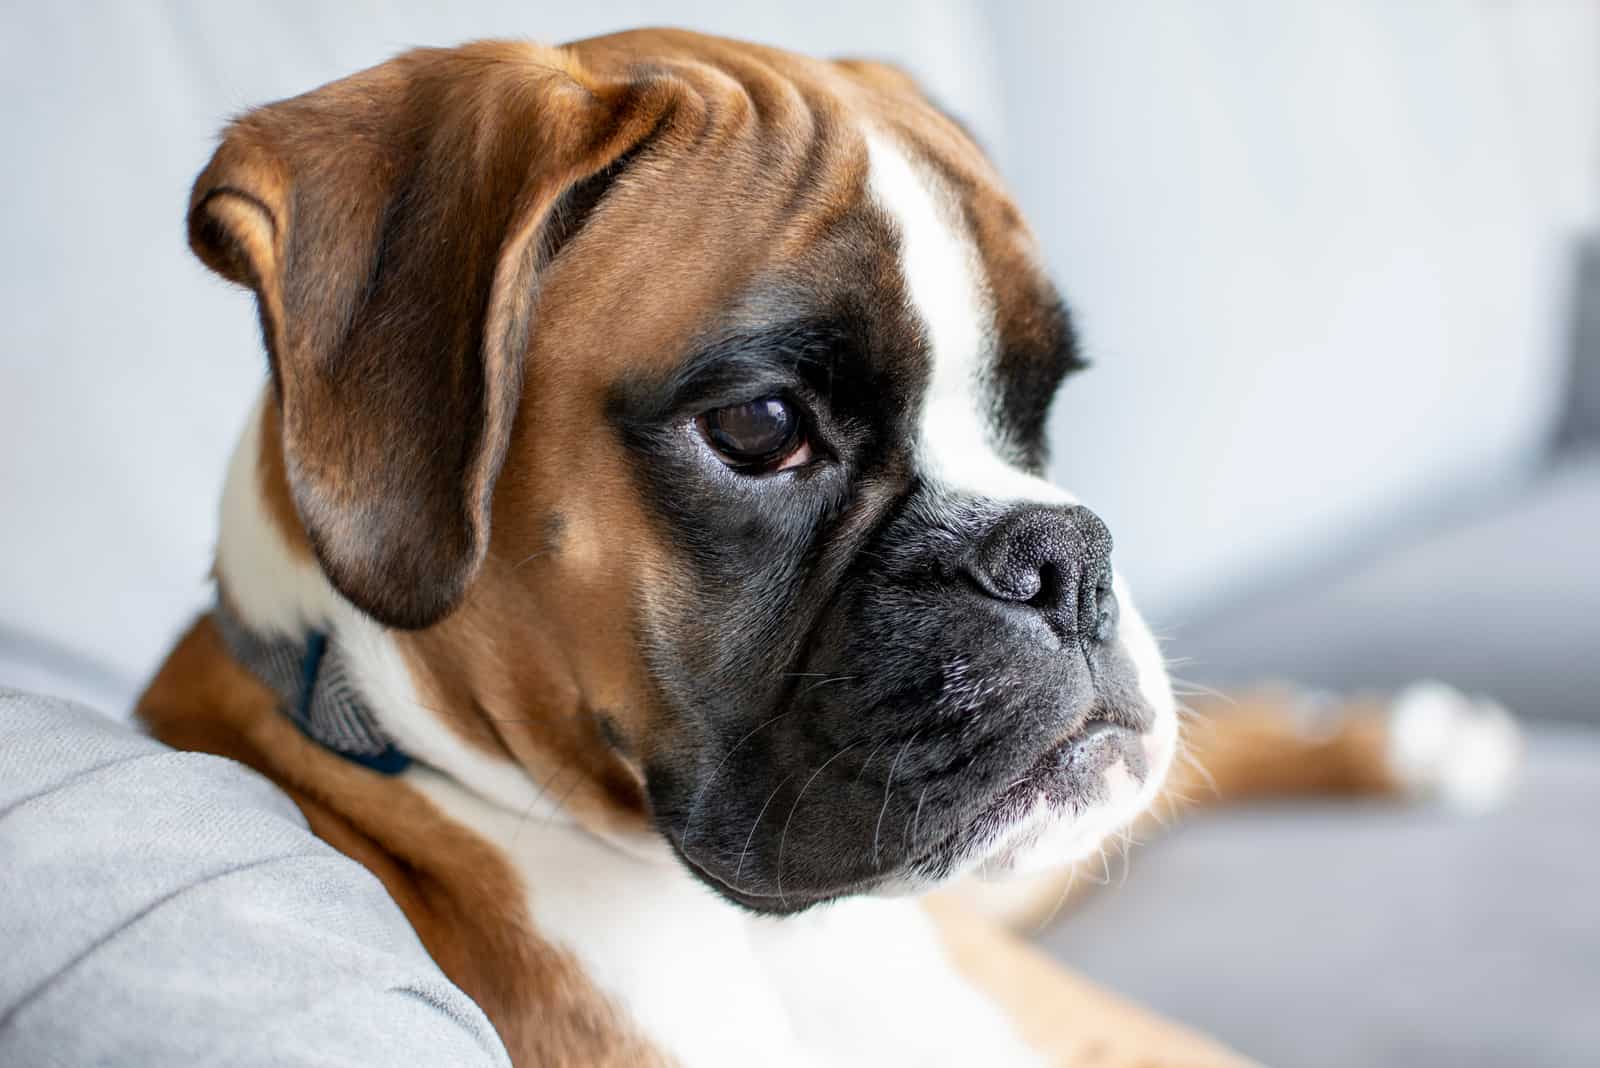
x,y
735,363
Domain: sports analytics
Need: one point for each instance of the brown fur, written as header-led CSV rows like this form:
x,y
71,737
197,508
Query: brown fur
x,y
443,359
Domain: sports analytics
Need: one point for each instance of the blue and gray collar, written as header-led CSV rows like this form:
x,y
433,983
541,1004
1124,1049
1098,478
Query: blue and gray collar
x,y
313,682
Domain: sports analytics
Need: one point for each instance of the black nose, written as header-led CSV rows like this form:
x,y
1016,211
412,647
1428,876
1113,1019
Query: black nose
x,y
1056,560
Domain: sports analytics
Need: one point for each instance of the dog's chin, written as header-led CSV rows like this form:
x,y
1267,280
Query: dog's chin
x,y
1081,792
1077,794
793,901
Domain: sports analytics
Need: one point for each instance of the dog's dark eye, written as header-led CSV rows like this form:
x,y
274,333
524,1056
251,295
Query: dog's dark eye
x,y
759,435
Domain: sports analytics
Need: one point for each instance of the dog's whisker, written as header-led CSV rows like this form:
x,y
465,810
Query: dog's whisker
x,y
544,791
751,836
863,768
783,838
694,806
1061,899
1194,762
829,681
1176,798
887,783
916,823
530,558
1202,690
577,781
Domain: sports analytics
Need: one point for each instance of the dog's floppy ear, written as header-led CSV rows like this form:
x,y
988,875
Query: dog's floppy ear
x,y
393,226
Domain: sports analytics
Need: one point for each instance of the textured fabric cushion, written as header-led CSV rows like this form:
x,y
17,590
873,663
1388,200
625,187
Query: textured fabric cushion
x,y
172,908
1504,602
1346,934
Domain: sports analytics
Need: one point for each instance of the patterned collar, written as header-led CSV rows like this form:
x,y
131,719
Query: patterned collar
x,y
312,679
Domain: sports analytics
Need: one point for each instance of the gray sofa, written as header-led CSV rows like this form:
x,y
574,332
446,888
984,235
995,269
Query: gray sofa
x,y
1322,259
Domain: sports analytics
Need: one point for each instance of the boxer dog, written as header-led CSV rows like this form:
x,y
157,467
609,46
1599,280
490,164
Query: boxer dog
x,y
641,557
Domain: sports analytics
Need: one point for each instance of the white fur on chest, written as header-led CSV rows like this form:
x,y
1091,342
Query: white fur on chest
x,y
860,982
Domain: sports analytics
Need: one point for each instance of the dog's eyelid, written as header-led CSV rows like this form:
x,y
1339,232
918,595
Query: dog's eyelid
x,y
726,394
790,352
795,360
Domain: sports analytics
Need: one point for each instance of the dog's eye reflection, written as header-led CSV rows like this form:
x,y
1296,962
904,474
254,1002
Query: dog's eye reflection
x,y
757,437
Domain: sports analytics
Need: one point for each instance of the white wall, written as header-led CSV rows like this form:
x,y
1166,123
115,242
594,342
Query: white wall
x,y
1319,255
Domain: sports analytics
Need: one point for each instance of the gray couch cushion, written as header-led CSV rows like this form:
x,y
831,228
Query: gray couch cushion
x,y
165,908
1345,935
1506,603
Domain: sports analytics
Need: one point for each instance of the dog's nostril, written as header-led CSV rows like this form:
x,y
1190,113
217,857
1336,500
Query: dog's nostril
x,y
1046,584
1102,606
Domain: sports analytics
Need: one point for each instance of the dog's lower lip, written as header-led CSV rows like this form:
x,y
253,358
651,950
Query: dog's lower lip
x,y
1058,757
1018,796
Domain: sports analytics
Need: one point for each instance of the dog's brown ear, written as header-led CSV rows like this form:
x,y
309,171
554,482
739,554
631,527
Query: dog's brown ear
x,y
393,226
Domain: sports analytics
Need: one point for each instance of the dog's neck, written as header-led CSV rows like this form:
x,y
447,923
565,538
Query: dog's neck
x,y
274,587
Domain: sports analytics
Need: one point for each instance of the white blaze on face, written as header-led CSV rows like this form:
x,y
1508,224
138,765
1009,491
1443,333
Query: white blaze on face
x,y
948,293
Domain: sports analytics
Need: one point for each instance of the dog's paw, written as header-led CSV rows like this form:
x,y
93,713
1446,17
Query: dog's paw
x,y
1445,745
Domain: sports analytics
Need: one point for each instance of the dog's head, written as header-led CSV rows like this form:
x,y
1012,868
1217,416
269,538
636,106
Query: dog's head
x,y
680,406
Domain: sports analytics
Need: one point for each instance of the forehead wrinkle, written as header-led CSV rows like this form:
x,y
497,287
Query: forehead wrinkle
x,y
948,291
785,348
